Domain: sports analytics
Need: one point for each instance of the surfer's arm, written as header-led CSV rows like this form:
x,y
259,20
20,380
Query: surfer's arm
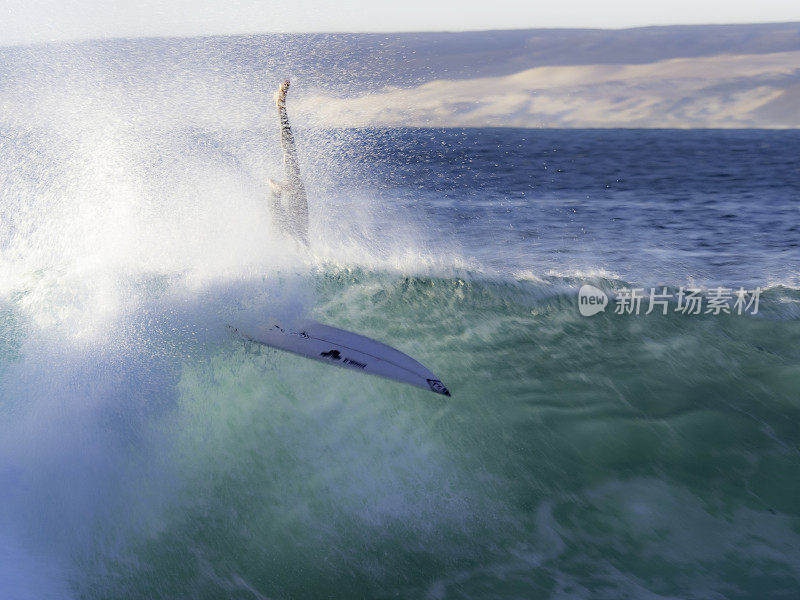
x,y
295,204
290,162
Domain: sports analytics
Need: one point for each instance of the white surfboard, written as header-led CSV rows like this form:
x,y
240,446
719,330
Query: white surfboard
x,y
346,349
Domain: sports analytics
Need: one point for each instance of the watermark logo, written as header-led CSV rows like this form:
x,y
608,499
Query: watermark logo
x,y
591,300
686,301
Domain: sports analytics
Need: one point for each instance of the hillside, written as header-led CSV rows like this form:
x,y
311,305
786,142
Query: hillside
x,y
679,76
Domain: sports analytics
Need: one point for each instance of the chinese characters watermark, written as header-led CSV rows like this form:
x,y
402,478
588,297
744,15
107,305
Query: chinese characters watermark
x,y
687,301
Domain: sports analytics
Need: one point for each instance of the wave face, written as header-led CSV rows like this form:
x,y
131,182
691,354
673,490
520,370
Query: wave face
x,y
147,453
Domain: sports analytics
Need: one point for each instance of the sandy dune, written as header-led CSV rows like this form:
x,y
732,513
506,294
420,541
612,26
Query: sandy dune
x,y
729,91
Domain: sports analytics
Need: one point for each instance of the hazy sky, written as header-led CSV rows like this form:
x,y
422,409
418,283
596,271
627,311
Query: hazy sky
x,y
25,21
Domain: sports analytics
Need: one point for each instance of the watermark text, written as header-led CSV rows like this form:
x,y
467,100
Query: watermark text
x,y
686,301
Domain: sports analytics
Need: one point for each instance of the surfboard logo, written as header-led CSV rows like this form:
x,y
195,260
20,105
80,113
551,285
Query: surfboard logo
x,y
332,354
438,387
354,363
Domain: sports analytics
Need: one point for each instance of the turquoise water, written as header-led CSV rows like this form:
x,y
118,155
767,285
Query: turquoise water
x,y
601,457
145,452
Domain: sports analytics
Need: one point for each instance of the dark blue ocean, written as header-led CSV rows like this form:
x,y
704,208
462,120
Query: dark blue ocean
x,y
147,452
710,206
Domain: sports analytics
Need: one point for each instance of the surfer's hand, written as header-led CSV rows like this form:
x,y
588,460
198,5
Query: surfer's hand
x,y
280,95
